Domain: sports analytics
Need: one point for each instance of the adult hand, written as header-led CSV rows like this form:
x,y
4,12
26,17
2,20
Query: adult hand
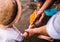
x,y
31,26
31,31
25,34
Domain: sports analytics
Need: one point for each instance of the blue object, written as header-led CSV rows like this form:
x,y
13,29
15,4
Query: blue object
x,y
51,11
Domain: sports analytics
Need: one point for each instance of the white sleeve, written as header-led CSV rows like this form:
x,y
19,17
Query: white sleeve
x,y
20,38
19,35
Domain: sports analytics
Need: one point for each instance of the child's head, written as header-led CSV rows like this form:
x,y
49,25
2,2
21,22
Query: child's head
x,y
8,12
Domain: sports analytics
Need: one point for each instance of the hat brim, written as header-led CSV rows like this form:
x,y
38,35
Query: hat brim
x,y
18,16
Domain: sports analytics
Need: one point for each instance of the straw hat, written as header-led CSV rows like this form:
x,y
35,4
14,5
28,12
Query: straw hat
x,y
9,12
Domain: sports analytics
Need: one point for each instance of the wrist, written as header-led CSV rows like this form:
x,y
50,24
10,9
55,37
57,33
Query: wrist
x,y
41,10
35,31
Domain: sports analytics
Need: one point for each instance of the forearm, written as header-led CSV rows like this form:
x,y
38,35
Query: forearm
x,y
41,18
41,30
46,5
37,18
38,22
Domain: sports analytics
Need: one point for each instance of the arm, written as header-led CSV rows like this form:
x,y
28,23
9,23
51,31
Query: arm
x,y
40,30
37,23
44,6
41,18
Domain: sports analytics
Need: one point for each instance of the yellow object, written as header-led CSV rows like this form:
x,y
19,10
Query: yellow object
x,y
32,17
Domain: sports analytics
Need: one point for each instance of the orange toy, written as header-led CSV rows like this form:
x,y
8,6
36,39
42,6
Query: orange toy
x,y
32,17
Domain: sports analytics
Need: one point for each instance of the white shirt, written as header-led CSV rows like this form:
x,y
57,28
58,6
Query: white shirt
x,y
10,35
53,26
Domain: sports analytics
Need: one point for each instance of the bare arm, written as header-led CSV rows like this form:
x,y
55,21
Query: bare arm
x,y
40,30
44,6
37,23
43,15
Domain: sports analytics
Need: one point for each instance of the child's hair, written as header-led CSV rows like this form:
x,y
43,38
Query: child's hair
x,y
8,11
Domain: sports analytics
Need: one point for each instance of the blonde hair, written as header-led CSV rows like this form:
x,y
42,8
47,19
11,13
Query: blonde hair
x,y
8,11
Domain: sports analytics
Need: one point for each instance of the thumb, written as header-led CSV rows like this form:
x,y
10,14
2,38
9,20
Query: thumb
x,y
26,30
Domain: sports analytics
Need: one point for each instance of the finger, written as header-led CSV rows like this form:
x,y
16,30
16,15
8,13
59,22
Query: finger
x,y
25,34
30,26
26,30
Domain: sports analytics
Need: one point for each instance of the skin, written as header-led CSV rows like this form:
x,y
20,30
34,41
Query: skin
x,y
44,6
40,30
39,21
40,11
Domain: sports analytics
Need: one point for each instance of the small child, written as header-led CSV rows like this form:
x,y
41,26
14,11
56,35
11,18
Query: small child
x,y
9,15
